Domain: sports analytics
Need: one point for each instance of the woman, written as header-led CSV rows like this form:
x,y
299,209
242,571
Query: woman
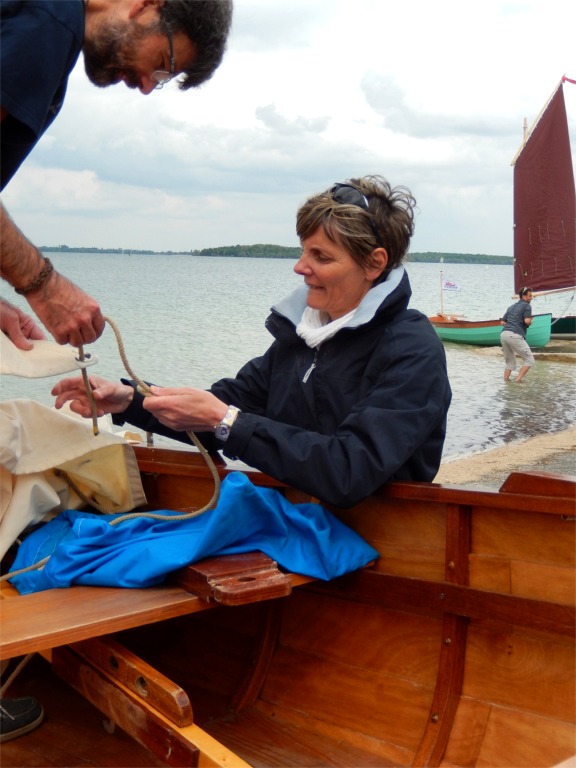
x,y
352,393
516,321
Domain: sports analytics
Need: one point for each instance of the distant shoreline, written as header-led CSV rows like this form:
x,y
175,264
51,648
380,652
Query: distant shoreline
x,y
267,251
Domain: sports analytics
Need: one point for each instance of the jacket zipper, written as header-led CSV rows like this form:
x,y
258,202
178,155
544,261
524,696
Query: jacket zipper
x,y
309,371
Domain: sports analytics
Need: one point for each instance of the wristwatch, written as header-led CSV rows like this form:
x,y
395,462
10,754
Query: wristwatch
x,y
222,430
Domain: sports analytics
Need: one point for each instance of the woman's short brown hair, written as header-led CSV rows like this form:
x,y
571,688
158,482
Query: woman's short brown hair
x,y
388,222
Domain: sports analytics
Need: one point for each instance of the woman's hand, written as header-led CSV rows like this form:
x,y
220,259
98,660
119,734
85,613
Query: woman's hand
x,y
109,396
185,409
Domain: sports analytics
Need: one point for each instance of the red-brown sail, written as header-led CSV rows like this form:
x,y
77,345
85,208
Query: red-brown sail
x,y
545,204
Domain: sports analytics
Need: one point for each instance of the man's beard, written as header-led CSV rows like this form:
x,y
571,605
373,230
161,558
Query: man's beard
x,y
108,57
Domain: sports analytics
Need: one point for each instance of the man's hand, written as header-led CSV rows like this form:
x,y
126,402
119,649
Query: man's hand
x,y
18,326
70,315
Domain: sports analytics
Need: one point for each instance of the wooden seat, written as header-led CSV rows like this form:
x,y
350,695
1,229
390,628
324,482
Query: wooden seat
x,y
78,613
76,634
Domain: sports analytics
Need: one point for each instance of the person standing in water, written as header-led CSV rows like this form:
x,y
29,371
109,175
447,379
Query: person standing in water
x,y
516,321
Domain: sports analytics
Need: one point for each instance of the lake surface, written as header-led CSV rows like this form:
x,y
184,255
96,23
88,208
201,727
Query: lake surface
x,y
190,320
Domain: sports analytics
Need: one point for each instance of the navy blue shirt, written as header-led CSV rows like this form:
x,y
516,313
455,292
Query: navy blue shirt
x,y
40,41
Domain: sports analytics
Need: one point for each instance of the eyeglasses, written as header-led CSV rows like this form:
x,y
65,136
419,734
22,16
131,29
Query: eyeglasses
x,y
161,75
346,194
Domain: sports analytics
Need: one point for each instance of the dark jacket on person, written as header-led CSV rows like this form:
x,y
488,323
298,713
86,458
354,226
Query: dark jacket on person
x,y
366,407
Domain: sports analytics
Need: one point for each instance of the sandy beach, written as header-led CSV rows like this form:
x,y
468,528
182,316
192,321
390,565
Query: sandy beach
x,y
554,453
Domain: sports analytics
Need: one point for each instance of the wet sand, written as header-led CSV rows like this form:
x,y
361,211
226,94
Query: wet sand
x,y
555,453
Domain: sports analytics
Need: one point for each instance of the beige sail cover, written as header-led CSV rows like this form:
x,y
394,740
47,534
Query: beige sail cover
x,y
34,442
44,359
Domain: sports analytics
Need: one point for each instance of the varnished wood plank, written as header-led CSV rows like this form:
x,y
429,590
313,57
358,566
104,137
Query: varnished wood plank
x,y
269,740
125,709
525,740
533,673
377,705
537,538
442,597
78,613
118,663
539,484
468,733
189,746
191,463
377,639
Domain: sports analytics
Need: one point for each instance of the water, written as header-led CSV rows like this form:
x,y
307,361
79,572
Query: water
x,y
190,320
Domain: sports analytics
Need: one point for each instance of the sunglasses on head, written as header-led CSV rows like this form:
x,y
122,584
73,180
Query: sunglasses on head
x,y
346,194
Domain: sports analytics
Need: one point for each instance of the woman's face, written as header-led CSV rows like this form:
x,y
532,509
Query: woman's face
x,y
336,283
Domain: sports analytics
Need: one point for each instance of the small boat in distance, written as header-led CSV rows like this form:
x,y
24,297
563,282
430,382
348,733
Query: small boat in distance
x,y
544,227
486,333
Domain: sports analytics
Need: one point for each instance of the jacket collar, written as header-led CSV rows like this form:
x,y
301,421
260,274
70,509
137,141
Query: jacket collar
x,y
294,304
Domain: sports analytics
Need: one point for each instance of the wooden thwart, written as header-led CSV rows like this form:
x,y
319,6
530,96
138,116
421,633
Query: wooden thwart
x,y
79,613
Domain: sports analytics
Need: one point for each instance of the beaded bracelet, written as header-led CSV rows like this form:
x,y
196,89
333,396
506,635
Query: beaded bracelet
x,y
38,280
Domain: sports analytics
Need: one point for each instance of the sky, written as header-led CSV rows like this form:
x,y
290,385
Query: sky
x,y
431,95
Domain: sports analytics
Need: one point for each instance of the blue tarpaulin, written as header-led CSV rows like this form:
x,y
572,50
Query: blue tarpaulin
x,y
85,549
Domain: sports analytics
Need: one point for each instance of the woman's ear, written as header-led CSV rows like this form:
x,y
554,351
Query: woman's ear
x,y
377,263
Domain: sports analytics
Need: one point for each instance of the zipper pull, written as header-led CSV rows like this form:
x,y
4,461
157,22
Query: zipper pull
x,y
309,371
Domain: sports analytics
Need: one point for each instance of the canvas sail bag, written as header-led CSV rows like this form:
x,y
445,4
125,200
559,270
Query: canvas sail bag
x,y
37,442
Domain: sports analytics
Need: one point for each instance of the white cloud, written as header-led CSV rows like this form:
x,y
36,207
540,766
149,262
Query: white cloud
x,y
431,95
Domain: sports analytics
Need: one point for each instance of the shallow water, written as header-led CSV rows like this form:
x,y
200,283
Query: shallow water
x,y
188,320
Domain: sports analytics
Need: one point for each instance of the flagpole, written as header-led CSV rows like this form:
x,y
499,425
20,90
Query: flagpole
x,y
441,294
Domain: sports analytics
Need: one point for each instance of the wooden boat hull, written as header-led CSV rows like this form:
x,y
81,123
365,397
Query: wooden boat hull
x,y
564,327
486,333
455,648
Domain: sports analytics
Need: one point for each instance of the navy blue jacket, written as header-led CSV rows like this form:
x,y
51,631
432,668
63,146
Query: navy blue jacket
x,y
373,408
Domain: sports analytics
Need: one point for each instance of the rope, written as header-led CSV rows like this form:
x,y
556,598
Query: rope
x,y
145,390
15,673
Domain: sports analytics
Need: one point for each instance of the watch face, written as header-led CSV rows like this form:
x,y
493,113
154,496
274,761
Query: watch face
x,y
222,431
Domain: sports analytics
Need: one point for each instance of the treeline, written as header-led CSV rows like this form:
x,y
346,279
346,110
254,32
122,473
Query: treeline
x,y
259,251
459,258
268,251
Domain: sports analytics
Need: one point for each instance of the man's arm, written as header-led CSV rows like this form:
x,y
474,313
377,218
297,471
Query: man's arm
x,y
68,313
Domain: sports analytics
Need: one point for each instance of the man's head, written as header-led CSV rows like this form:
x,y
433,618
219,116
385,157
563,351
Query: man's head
x,y
147,42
